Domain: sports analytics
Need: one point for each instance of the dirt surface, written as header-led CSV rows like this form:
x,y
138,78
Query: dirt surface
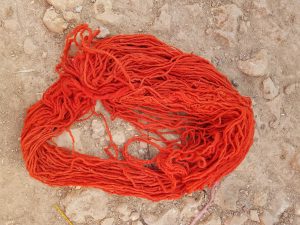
x,y
255,43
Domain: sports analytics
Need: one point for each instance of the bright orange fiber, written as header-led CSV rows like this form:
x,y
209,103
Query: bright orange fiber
x,y
158,89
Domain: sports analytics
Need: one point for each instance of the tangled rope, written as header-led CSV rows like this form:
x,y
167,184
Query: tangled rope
x,y
159,90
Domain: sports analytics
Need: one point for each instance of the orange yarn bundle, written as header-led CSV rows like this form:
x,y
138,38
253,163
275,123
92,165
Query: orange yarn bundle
x,y
159,90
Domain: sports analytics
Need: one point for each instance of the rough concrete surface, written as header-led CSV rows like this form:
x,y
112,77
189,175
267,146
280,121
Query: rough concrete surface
x,y
255,43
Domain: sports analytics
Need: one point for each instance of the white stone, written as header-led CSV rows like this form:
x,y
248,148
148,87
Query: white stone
x,y
125,212
87,203
29,46
254,216
236,220
78,9
270,91
103,12
64,139
97,128
54,21
118,137
134,216
255,66
104,32
108,221
65,4
291,88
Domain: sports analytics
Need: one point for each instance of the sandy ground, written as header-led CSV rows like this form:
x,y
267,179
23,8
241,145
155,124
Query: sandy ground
x,y
255,43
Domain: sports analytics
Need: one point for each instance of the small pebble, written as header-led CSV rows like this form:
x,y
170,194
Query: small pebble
x,y
234,83
108,221
44,55
118,137
270,90
54,21
125,212
134,216
290,88
254,216
29,46
255,66
78,9
104,32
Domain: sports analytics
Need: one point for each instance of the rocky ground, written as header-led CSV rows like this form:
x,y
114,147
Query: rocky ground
x,y
255,43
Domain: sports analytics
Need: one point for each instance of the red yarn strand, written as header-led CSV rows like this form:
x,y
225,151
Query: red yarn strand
x,y
159,90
